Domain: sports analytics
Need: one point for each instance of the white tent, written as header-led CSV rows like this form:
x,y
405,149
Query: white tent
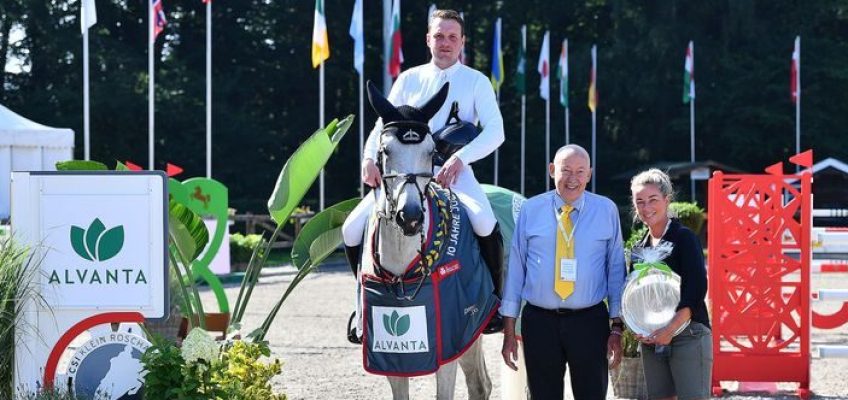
x,y
28,146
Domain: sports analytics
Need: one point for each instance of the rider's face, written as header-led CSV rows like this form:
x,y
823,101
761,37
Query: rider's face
x,y
445,41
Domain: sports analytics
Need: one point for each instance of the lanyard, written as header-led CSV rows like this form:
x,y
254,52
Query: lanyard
x,y
566,235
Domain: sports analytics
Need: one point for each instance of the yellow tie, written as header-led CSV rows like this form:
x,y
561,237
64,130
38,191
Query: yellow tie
x,y
564,249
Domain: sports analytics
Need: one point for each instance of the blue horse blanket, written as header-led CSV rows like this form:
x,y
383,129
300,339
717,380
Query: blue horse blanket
x,y
412,337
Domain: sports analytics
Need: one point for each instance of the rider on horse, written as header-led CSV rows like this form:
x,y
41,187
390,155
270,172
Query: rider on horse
x,y
470,98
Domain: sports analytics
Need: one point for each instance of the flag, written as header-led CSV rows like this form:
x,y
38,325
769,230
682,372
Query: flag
x,y
358,37
520,86
430,12
794,90
206,1
88,14
462,50
689,74
593,75
159,21
320,43
562,73
396,55
544,68
497,58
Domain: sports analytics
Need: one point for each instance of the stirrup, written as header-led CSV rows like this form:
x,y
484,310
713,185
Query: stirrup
x,y
351,332
495,325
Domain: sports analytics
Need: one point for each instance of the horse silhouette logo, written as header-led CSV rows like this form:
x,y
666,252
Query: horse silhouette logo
x,y
203,198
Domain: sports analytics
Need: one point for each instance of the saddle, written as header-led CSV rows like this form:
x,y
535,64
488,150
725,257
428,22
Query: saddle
x,y
453,136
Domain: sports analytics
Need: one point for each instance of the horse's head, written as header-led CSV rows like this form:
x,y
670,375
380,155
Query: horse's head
x,y
405,157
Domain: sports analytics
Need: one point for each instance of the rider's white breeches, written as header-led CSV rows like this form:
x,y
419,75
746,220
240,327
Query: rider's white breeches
x,y
468,191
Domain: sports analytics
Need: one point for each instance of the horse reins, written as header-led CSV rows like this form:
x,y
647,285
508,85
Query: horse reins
x,y
409,137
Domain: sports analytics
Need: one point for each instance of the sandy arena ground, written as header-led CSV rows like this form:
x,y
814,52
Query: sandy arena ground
x,y
319,363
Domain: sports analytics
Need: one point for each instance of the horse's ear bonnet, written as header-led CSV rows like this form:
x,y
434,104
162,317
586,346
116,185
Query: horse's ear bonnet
x,y
409,122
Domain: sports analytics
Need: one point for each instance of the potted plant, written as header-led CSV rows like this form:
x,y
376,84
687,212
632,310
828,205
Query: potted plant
x,y
628,379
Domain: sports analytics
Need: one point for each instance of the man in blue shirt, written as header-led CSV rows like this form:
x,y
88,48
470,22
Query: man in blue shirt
x,y
567,257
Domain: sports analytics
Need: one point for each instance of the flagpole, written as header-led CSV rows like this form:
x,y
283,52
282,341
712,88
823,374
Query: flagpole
x,y
594,122
567,132
547,140
209,89
798,102
361,130
692,139
321,126
495,181
523,132
150,80
85,91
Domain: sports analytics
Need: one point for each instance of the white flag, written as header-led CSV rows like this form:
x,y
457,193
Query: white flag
x,y
358,38
544,68
88,15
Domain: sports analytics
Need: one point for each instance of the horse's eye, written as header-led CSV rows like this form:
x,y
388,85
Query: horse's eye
x,y
386,151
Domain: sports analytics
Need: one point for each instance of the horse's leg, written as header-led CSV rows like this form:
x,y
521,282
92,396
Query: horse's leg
x,y
476,376
446,381
400,387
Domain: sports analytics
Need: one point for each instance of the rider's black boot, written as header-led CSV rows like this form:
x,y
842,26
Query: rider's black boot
x,y
492,250
353,254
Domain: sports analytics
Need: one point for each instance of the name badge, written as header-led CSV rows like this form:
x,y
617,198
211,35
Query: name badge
x,y
568,269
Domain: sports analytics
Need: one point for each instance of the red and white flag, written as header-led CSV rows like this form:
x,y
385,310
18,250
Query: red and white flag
x,y
159,18
544,68
794,89
396,56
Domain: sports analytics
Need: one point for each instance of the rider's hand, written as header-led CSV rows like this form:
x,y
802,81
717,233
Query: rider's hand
x,y
370,173
449,172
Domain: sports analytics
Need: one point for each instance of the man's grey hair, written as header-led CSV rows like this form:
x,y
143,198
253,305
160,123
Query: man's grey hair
x,y
572,148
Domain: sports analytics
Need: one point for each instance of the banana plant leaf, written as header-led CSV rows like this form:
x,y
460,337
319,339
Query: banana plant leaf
x,y
324,245
303,167
187,230
80,165
331,218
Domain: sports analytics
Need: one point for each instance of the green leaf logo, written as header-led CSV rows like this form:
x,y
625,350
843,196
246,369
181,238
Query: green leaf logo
x,y
395,324
97,243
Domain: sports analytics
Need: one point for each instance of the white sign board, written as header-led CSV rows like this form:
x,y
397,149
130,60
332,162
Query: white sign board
x,y
102,237
700,174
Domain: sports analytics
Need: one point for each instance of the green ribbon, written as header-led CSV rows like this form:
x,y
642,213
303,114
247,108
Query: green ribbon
x,y
644,268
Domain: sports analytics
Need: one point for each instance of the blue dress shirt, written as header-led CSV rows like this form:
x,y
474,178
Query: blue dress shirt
x,y
598,249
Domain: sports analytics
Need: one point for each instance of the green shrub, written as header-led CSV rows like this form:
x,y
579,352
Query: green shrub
x,y
241,246
690,215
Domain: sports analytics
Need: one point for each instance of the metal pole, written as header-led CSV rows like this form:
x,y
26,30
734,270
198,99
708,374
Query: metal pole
x,y
85,93
495,180
692,144
150,94
523,136
567,130
547,141
361,130
321,126
209,89
798,104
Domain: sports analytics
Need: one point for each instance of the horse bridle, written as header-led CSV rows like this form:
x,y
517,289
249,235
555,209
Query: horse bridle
x,y
411,136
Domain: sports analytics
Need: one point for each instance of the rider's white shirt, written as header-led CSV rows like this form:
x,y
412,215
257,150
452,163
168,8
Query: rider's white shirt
x,y
473,91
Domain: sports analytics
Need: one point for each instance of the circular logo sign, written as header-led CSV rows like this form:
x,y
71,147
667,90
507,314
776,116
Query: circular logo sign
x,y
109,367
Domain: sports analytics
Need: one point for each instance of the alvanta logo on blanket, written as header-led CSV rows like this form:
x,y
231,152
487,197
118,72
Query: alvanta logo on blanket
x,y
403,330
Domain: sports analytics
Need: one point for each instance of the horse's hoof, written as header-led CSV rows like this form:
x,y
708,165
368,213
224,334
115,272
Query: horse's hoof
x,y
495,325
